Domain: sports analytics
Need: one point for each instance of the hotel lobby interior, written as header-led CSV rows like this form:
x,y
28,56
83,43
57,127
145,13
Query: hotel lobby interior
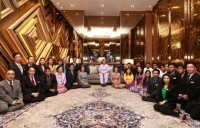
x,y
122,32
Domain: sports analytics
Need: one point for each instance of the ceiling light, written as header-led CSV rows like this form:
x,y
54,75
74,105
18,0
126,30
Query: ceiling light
x,y
61,7
127,14
57,3
149,6
64,11
102,13
132,6
102,18
72,5
102,22
102,5
77,14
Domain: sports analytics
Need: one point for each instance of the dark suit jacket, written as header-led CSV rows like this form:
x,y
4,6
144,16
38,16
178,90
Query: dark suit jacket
x,y
152,89
27,87
18,74
192,87
37,72
66,67
40,70
76,68
71,79
53,82
176,77
170,95
6,93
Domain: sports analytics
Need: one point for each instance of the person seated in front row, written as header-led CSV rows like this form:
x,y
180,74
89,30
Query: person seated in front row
x,y
194,110
83,79
129,79
167,98
138,80
103,72
32,87
145,81
11,97
151,93
116,79
50,83
72,78
191,88
61,80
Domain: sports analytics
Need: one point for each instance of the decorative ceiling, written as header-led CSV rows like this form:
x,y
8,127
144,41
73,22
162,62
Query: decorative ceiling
x,y
104,18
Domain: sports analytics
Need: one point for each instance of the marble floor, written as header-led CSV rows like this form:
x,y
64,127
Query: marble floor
x,y
54,111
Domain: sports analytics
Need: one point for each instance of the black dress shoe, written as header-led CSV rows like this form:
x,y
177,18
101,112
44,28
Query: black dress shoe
x,y
104,85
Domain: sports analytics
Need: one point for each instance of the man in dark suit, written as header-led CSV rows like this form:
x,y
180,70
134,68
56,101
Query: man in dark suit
x,y
72,78
192,87
76,66
152,89
174,74
50,83
31,63
32,87
11,97
42,66
17,66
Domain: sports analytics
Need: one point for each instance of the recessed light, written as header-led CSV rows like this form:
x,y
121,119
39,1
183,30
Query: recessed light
x,y
102,5
102,13
72,5
64,11
102,18
132,6
58,3
77,13
61,7
127,14
149,6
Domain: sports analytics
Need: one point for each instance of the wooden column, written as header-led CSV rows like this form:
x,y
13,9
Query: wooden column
x,y
148,37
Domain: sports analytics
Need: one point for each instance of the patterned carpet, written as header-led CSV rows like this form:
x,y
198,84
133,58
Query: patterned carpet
x,y
95,107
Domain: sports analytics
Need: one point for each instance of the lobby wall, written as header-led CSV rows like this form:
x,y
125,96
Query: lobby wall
x,y
35,28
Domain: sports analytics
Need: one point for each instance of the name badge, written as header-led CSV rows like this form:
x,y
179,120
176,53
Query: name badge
x,y
174,77
192,82
156,84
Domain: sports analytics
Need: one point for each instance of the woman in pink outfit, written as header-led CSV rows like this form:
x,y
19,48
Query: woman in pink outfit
x,y
61,80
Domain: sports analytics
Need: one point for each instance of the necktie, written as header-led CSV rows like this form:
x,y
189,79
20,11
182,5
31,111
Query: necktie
x,y
32,81
48,81
154,81
65,68
11,85
72,74
21,69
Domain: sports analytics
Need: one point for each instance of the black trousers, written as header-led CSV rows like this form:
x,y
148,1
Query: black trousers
x,y
167,109
49,93
149,99
71,86
184,103
193,108
195,113
31,99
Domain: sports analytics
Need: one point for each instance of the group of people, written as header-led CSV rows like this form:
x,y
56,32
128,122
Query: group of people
x,y
31,83
167,86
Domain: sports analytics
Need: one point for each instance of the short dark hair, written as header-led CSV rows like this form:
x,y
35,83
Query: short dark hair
x,y
71,65
29,57
156,70
47,68
59,67
128,63
42,58
16,53
172,64
9,70
148,63
155,63
182,66
193,63
30,68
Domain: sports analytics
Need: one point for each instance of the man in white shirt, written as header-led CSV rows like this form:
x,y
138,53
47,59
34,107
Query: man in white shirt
x,y
155,66
148,67
11,97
